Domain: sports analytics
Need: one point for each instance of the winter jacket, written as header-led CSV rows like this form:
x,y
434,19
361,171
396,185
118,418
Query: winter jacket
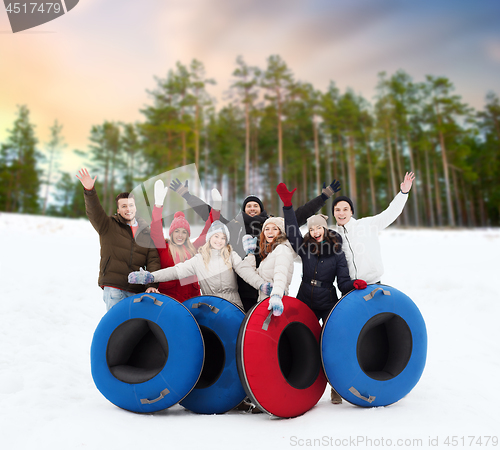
x,y
121,252
217,279
361,244
319,270
276,268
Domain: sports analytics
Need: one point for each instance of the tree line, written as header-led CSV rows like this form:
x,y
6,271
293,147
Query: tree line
x,y
272,128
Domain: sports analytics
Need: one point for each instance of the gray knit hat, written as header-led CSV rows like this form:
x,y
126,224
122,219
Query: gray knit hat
x,y
217,227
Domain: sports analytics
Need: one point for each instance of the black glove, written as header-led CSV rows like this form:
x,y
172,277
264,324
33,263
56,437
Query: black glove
x,y
328,191
177,186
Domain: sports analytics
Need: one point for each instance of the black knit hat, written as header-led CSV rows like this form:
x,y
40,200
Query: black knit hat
x,y
342,198
252,198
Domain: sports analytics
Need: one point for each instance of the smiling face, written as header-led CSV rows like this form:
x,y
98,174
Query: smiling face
x,y
342,213
126,209
179,236
271,231
252,209
317,232
218,241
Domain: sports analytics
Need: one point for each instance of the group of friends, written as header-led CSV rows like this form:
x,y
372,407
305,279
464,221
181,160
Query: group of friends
x,y
244,260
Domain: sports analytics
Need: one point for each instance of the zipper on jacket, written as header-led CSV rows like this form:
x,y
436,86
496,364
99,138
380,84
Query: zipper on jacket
x,y
352,253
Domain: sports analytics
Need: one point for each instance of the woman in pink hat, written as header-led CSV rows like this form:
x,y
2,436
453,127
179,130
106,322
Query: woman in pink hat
x,y
177,248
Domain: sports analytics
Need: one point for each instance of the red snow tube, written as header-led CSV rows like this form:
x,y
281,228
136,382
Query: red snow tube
x,y
279,360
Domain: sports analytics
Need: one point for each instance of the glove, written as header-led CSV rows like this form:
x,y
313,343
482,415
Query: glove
x,y
177,186
249,243
141,277
266,288
216,200
285,194
160,192
328,191
276,305
359,284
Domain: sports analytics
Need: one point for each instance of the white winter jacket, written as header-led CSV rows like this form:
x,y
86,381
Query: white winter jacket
x,y
277,268
360,241
217,280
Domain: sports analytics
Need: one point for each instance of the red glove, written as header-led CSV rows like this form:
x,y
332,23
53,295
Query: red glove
x,y
359,284
285,194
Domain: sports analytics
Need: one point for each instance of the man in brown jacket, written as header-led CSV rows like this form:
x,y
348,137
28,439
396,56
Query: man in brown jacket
x,y
126,245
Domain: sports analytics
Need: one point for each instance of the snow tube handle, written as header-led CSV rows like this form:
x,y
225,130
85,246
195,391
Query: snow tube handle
x,y
155,300
146,401
214,309
372,293
355,392
266,323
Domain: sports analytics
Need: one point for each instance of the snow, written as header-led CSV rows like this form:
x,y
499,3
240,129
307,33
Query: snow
x,y
51,305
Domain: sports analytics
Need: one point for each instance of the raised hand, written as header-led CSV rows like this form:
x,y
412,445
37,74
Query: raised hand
x,y
328,191
177,186
160,192
407,182
85,178
249,243
285,194
216,200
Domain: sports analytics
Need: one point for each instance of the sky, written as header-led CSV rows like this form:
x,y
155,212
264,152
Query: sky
x,y
98,61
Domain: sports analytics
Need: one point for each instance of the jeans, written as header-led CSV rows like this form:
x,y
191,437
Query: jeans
x,y
113,295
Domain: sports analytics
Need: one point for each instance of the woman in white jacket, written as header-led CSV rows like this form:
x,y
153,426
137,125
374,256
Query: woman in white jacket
x,y
214,265
274,274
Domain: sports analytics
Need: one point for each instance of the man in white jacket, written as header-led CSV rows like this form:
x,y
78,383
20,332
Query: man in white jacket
x,y
360,241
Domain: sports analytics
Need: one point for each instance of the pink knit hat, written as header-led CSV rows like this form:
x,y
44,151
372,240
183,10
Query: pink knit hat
x,y
179,221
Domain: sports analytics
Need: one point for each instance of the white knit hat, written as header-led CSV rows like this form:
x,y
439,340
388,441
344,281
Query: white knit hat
x,y
278,221
217,227
317,219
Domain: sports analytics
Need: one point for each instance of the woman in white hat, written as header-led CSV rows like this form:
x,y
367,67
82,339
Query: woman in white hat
x,y
275,271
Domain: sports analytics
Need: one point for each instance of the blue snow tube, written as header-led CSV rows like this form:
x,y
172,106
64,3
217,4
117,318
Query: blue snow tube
x,y
219,388
374,346
147,353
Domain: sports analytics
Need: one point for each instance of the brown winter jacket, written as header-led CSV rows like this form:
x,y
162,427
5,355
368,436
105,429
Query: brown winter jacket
x,y
121,253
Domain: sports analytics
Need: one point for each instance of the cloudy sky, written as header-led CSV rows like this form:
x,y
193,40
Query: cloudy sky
x,y
96,62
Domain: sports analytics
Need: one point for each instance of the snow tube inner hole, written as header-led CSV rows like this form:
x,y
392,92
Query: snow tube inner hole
x,y
299,356
384,346
137,351
215,358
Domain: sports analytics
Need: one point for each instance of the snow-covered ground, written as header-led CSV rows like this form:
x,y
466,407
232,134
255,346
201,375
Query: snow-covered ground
x,y
51,305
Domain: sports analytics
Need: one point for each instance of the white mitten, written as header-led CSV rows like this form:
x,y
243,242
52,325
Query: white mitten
x,y
160,192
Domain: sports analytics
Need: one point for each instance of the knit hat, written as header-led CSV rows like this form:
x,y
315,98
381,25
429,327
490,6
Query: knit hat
x,y
217,227
342,198
278,221
252,198
317,219
179,221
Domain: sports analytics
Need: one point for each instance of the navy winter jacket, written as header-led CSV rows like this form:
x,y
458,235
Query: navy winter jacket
x,y
320,269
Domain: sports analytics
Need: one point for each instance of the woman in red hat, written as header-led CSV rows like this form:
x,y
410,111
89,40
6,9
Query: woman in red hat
x,y
178,247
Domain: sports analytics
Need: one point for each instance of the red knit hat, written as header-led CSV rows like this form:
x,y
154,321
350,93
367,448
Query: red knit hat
x,y
179,222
